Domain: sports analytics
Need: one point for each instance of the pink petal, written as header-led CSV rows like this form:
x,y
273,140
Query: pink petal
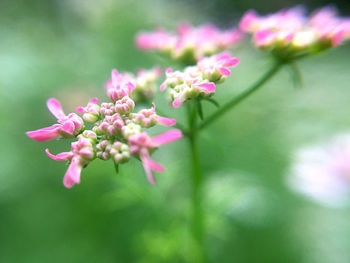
x,y
208,87
177,102
163,86
225,71
55,108
166,121
94,100
184,27
72,175
68,127
223,55
155,166
262,37
45,134
144,156
154,107
130,86
61,156
143,41
167,137
231,62
115,76
337,38
168,70
109,85
247,20
80,110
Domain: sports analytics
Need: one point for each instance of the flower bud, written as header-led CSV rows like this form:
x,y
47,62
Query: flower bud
x,y
124,106
120,152
71,125
91,112
103,149
131,129
107,109
90,135
110,125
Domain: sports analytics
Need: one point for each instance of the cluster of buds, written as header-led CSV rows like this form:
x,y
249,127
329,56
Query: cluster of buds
x,y
116,133
198,81
290,33
189,43
143,84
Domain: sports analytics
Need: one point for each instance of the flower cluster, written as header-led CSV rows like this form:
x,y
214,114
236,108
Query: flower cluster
x,y
189,43
143,82
116,133
322,172
198,81
291,33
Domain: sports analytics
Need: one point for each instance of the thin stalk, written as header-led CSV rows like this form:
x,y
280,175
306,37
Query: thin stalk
x,y
197,220
236,100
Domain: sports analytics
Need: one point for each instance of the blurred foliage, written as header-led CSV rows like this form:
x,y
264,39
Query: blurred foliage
x,y
66,49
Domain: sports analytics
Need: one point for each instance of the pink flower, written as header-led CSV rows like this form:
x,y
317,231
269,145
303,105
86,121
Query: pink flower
x,y
81,154
198,81
187,85
214,68
159,40
189,43
295,34
141,144
287,19
329,26
148,118
69,125
118,86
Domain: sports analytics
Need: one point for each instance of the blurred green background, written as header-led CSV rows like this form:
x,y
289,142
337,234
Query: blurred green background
x,y
66,49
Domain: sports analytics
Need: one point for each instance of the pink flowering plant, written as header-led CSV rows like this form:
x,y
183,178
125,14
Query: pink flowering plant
x,y
118,132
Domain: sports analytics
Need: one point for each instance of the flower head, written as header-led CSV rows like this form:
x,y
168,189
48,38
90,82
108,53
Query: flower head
x,y
117,133
189,43
198,81
215,68
290,33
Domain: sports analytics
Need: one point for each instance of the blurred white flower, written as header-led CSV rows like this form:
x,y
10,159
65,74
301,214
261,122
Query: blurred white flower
x,y
322,172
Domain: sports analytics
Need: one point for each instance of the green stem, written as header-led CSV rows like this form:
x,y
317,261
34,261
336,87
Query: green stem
x,y
197,220
236,100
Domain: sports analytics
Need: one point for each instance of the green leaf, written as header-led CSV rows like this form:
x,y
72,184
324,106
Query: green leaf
x,y
200,110
296,75
212,101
